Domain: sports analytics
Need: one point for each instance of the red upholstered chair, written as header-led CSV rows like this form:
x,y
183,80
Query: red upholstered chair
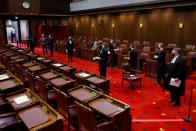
x,y
130,75
87,120
66,108
10,122
48,96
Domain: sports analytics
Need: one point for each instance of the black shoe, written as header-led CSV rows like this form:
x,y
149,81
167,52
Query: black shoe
x,y
175,105
171,101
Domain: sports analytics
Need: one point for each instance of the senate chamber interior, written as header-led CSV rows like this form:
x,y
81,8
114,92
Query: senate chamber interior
x,y
97,65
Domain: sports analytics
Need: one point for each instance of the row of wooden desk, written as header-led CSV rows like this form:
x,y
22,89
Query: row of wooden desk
x,y
31,110
93,95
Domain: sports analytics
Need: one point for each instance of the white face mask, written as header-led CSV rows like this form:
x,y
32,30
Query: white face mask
x,y
173,52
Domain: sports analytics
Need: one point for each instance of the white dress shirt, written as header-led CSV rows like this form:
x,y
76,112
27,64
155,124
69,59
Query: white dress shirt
x,y
174,59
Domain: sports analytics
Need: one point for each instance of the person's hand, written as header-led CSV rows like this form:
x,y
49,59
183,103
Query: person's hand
x,y
155,56
66,50
74,50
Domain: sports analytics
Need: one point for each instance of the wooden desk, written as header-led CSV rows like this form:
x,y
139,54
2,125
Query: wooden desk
x,y
36,69
99,83
67,70
84,93
44,60
10,85
28,64
19,60
81,76
22,100
114,110
48,75
62,83
41,117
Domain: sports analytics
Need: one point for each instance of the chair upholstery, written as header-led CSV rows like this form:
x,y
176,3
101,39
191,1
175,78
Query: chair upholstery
x,y
87,120
49,96
9,121
66,108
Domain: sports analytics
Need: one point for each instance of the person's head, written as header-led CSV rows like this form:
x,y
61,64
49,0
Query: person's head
x,y
160,45
176,51
69,38
42,35
112,41
132,46
50,36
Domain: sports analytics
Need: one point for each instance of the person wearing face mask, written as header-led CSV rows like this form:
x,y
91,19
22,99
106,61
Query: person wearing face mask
x,y
51,44
161,64
70,48
43,42
133,58
176,71
111,53
103,55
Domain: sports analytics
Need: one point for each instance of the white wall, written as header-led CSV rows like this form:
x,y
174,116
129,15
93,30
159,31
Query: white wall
x,y
95,4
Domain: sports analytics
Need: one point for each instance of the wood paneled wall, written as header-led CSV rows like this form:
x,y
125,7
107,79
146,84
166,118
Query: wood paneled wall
x,y
159,25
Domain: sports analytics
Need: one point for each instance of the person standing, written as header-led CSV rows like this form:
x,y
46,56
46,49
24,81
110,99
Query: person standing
x,y
44,44
177,71
70,48
111,53
133,57
31,43
103,56
51,44
161,64
13,36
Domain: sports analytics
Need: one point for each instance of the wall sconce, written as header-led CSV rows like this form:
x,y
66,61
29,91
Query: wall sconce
x,y
77,25
181,25
113,25
92,26
141,25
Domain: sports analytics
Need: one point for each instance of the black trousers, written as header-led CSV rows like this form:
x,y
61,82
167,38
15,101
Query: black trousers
x,y
175,95
51,51
45,49
70,55
102,69
160,74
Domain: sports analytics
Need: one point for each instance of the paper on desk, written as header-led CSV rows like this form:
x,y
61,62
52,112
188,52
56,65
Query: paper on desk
x,y
83,74
3,77
57,64
40,58
21,99
174,83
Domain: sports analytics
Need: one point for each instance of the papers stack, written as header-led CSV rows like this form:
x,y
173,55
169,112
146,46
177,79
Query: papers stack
x,y
3,77
21,99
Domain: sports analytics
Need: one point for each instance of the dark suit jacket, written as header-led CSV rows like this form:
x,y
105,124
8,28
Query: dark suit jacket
x,y
178,70
133,58
51,42
161,64
70,47
103,57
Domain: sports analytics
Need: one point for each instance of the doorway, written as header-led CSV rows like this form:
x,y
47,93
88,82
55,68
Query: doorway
x,y
17,30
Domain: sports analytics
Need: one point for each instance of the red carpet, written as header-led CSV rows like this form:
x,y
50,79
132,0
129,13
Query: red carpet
x,y
149,105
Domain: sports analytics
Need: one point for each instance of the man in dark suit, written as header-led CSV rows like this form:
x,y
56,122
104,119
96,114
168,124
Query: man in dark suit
x,y
161,64
177,71
103,54
70,48
43,41
111,53
51,44
31,42
133,57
